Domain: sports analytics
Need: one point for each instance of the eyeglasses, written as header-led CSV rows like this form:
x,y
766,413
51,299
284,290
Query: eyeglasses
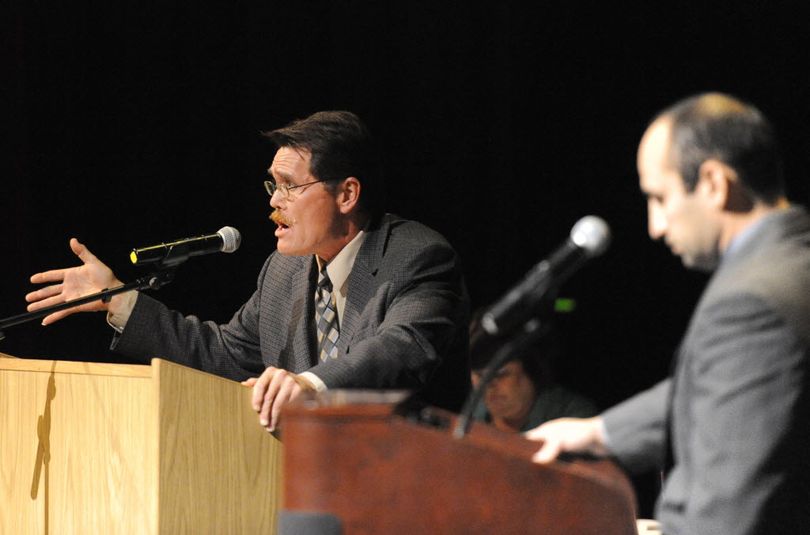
x,y
286,191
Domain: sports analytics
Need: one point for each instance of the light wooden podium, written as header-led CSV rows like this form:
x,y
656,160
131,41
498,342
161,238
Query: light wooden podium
x,y
112,448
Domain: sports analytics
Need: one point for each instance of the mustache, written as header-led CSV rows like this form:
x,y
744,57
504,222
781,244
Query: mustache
x,y
279,219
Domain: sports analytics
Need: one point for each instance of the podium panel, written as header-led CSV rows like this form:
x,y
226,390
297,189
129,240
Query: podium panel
x,y
111,448
350,456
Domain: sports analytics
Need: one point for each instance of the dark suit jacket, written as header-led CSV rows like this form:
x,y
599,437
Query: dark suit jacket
x,y
738,406
404,324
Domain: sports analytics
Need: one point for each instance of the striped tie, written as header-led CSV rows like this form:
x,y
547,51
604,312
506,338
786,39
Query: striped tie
x,y
326,318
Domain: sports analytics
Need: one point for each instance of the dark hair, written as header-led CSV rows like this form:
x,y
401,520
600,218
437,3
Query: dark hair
x,y
340,146
537,361
719,126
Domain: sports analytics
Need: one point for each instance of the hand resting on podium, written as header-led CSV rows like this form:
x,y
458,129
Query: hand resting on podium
x,y
272,390
569,435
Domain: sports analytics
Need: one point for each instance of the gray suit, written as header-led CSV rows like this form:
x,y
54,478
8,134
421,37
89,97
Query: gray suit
x,y
404,324
737,411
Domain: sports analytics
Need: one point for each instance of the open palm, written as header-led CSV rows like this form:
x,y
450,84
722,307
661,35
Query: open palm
x,y
71,283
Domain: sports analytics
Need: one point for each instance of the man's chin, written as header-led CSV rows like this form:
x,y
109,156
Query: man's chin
x,y
285,250
699,263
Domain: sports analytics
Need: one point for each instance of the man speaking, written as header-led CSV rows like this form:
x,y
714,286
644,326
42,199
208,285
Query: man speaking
x,y
352,297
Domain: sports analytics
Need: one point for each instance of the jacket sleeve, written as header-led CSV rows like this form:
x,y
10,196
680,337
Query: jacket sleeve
x,y
635,428
229,350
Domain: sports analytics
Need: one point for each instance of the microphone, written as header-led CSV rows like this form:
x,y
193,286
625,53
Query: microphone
x,y
589,237
226,240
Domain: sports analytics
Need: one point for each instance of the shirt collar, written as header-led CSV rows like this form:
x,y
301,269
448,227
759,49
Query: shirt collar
x,y
748,234
341,266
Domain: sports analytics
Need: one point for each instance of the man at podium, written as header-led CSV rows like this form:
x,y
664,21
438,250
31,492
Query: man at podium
x,y
730,428
352,297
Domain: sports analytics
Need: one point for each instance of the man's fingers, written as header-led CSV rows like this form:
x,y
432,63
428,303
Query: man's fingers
x,y
53,275
271,391
549,449
43,293
58,275
50,301
56,316
260,387
81,251
289,390
267,405
547,453
575,435
270,396
535,434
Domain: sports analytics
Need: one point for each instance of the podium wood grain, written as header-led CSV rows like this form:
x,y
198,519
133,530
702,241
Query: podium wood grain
x,y
107,448
351,456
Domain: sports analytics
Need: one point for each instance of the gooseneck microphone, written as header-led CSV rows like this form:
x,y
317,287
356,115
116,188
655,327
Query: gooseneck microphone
x,y
164,257
226,240
589,237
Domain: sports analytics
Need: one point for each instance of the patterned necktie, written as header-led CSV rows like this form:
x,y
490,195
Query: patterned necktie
x,y
326,318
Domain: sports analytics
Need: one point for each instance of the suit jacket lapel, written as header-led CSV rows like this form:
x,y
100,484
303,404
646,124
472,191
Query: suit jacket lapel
x,y
303,321
361,284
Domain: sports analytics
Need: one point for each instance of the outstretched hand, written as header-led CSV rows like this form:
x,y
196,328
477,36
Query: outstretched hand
x,y
72,283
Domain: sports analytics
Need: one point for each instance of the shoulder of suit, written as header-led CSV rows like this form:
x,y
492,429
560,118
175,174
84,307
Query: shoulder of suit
x,y
408,231
279,264
776,272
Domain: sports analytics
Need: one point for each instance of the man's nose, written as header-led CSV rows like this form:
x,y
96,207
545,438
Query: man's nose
x,y
656,223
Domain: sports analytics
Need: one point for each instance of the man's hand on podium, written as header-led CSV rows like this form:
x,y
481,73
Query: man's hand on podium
x,y
272,389
569,435
72,283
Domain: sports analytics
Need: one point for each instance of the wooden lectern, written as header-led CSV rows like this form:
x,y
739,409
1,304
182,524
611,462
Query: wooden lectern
x,y
349,456
111,448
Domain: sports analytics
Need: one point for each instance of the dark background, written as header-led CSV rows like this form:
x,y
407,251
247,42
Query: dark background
x,y
501,124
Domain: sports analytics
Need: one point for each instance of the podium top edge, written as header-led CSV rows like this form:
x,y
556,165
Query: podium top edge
x,y
73,367
346,403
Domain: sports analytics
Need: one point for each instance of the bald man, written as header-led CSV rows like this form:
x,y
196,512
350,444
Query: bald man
x,y
731,428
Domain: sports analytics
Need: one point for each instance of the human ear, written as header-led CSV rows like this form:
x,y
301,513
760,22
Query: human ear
x,y
716,180
349,194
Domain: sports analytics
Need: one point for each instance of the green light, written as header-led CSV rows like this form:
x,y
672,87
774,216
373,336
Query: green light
x,y
564,305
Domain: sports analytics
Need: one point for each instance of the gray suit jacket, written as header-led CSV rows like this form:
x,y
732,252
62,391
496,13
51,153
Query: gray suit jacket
x,y
737,409
404,324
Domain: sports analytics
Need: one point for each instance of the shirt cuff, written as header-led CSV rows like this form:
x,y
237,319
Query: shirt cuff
x,y
316,381
118,320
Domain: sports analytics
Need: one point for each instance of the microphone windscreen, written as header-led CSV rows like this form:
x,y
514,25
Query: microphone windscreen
x,y
592,234
231,239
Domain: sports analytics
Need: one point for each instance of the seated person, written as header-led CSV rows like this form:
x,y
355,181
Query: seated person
x,y
523,393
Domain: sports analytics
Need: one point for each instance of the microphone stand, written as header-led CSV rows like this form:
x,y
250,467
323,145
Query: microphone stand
x,y
531,332
152,281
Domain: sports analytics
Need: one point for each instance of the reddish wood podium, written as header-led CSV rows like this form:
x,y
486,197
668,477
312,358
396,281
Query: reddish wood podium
x,y
349,455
